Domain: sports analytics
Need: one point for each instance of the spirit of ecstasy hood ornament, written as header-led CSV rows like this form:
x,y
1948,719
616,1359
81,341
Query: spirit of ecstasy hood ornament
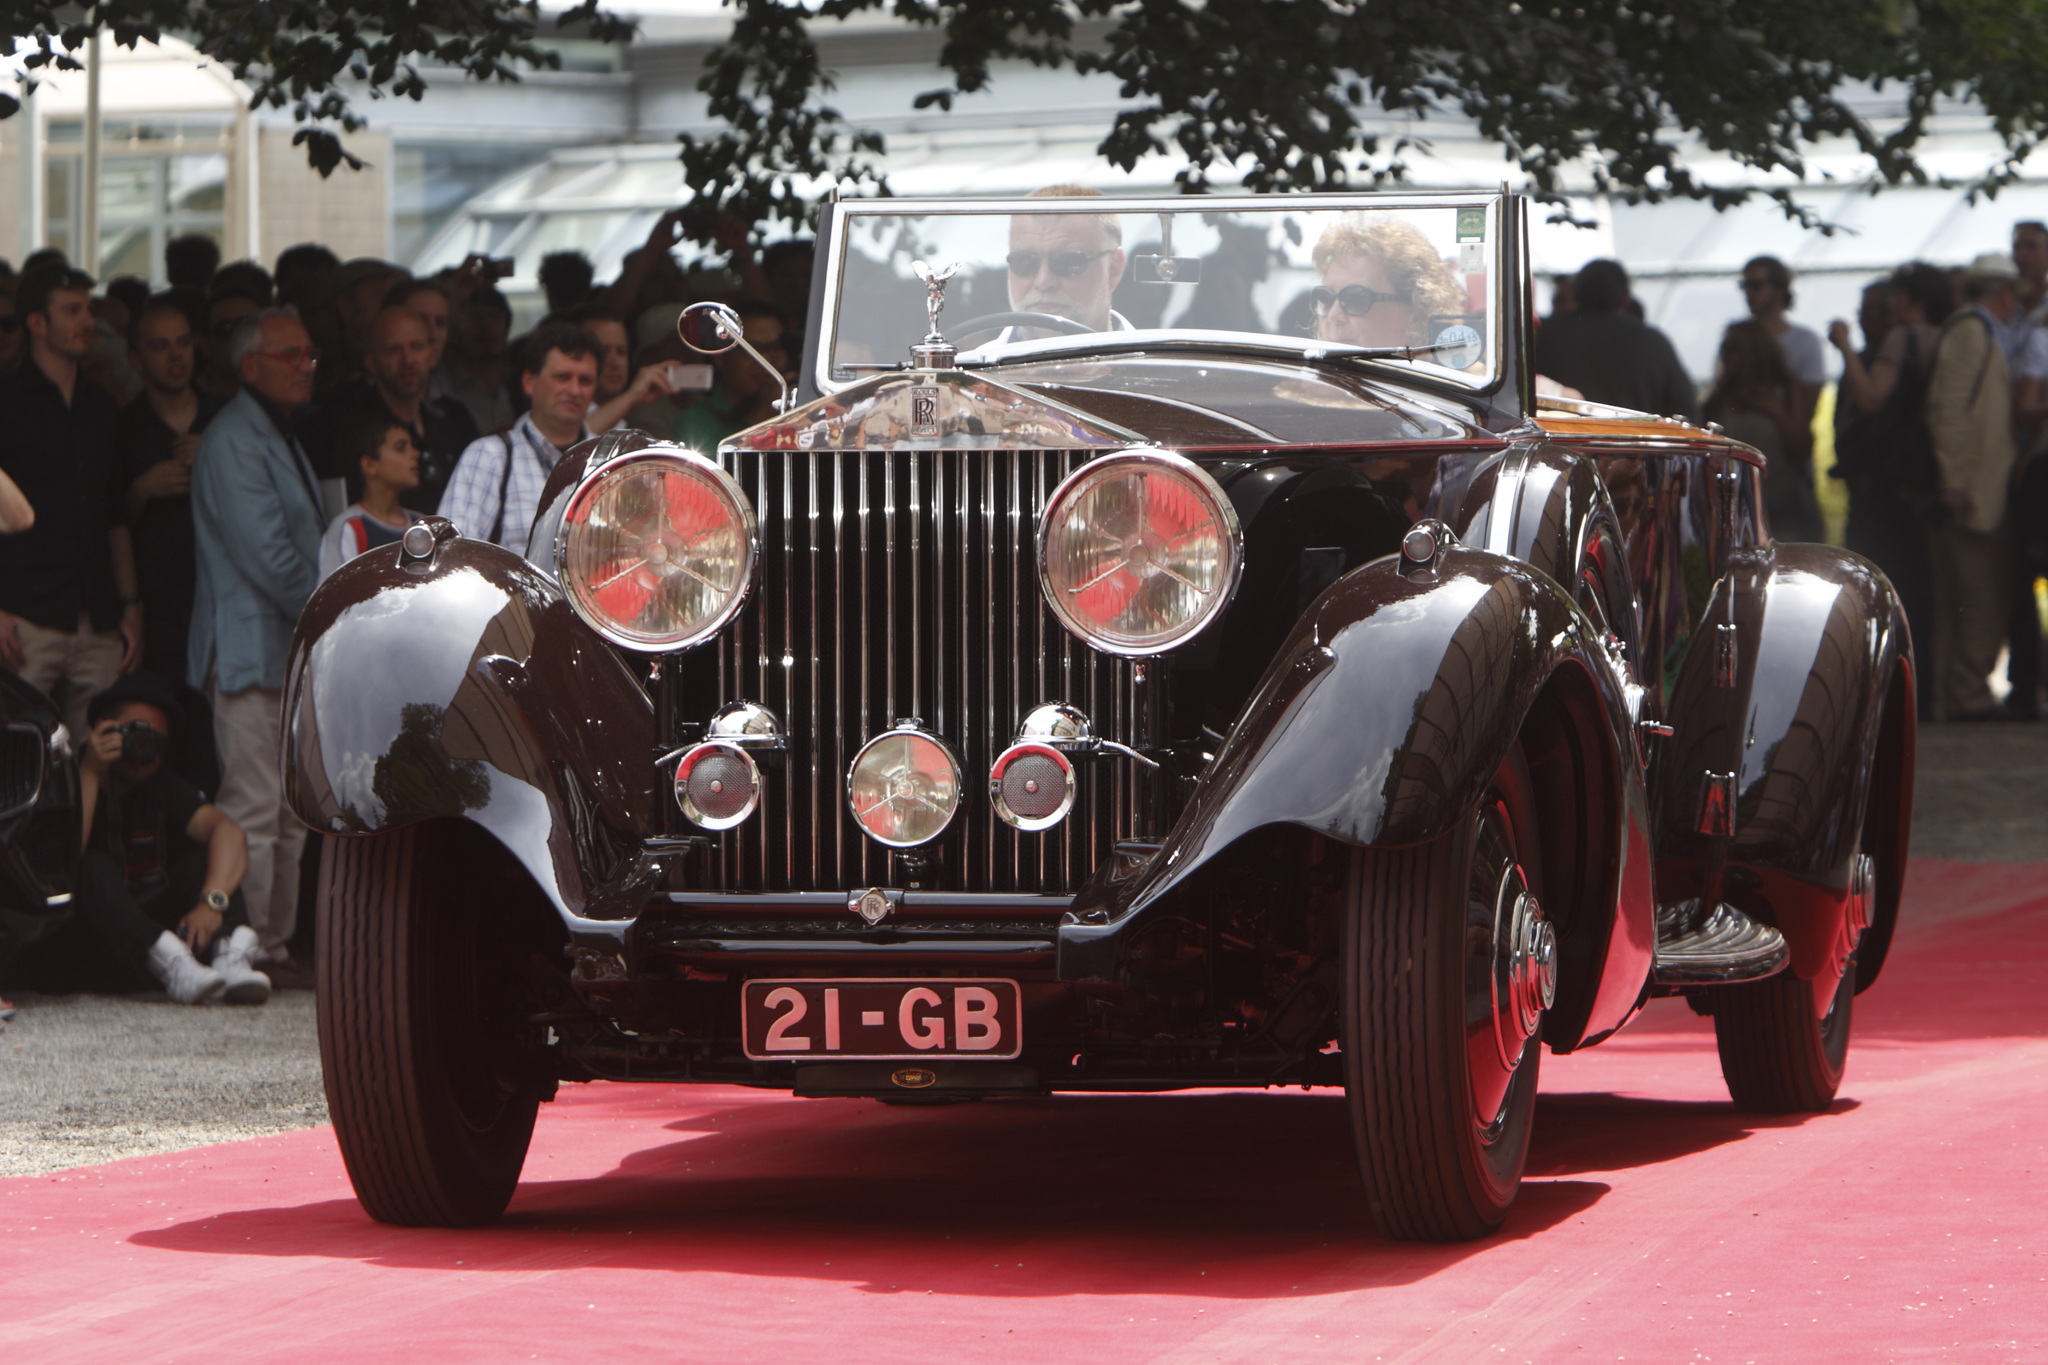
x,y
934,352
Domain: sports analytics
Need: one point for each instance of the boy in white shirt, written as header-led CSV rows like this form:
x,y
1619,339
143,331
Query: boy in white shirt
x,y
390,464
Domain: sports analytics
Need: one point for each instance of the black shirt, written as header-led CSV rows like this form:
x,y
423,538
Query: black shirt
x,y
1612,358
445,431
166,550
61,456
144,828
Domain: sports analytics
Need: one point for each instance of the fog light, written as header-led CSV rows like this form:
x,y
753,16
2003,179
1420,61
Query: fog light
x,y
903,787
717,785
1032,786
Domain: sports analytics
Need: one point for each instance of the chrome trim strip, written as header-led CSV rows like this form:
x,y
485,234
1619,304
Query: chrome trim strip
x,y
1506,507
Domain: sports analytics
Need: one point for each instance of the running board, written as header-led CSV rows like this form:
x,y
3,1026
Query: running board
x,y
1721,947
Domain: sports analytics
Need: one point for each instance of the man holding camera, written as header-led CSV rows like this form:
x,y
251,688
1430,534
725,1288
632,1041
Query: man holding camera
x,y
158,892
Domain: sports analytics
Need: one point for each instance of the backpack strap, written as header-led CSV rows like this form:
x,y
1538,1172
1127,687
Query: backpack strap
x,y
504,485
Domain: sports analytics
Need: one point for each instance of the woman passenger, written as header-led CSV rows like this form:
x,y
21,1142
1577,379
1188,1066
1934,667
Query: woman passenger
x,y
1382,283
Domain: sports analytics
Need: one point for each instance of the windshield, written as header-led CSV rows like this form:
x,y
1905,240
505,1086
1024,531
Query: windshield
x,y
1028,276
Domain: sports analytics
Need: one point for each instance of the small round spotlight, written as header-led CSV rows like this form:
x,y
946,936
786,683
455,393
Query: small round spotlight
x,y
903,787
717,785
1031,786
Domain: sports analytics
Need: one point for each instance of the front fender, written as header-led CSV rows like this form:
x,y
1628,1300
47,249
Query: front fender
x,y
463,685
1380,721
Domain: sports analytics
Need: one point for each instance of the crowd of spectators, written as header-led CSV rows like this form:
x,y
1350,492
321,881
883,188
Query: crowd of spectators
x,y
1941,410
180,468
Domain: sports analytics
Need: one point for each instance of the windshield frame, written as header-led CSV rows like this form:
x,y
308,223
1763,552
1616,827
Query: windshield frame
x,y
1505,281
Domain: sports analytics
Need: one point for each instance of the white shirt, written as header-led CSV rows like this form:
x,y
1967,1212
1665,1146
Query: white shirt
x,y
473,497
1804,355
354,532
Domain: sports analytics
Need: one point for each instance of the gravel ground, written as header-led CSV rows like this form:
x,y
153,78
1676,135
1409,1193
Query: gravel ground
x,y
85,1079
90,1078
1981,793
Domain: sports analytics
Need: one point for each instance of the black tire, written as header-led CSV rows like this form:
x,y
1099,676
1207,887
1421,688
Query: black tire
x,y
432,1101
1421,1067
1777,1054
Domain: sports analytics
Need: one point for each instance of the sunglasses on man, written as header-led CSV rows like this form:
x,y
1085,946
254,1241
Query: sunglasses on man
x,y
1065,264
1356,299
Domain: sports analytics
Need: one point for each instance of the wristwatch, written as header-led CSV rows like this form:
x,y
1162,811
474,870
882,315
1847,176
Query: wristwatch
x,y
216,901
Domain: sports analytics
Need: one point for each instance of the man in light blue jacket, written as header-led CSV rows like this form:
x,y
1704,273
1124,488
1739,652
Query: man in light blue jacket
x,y
257,513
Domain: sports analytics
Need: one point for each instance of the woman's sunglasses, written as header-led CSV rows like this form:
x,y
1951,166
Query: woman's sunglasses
x,y
1065,264
1356,300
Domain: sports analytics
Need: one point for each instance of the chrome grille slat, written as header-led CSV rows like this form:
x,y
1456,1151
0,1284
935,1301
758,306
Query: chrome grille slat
x,y
961,528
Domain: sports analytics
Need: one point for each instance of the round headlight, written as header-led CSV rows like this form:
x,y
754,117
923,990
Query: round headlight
x,y
657,549
903,787
1137,552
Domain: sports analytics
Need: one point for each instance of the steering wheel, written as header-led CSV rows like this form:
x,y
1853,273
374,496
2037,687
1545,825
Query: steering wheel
x,y
997,321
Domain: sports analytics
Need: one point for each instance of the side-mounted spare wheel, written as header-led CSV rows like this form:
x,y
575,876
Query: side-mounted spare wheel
x,y
423,1037
1449,964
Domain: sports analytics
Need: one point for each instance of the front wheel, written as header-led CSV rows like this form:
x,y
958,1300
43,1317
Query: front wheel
x,y
1449,965
432,1101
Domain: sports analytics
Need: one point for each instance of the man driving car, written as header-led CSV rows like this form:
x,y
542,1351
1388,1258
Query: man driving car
x,y
1066,265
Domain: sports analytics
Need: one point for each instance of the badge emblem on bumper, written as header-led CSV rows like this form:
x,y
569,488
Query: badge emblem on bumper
x,y
914,1077
873,904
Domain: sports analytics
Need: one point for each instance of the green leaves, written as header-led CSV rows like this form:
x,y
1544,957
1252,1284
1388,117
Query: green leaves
x,y
1278,95
295,52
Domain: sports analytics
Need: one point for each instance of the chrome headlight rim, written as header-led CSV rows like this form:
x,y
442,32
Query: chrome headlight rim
x,y
695,813
726,486
1220,508
953,762
998,770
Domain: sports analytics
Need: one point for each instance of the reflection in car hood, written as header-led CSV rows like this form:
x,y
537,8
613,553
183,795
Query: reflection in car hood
x,y
1186,402
935,410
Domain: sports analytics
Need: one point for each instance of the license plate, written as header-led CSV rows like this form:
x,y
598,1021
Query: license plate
x,y
881,1020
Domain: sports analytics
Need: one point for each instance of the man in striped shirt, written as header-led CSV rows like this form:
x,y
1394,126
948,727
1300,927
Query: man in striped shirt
x,y
497,484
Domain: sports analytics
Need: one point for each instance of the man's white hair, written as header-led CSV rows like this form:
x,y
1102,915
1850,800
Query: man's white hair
x,y
248,334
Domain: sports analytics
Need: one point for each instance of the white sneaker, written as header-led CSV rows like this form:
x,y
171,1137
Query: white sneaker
x,y
185,980
233,955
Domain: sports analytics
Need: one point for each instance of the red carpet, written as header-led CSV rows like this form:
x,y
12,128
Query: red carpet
x,y
726,1225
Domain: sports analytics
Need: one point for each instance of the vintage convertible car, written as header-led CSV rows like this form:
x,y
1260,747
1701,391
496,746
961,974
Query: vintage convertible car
x,y
1206,663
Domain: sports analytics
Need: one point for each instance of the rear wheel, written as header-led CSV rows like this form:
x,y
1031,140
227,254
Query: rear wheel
x,y
432,1099
1784,1042
1449,965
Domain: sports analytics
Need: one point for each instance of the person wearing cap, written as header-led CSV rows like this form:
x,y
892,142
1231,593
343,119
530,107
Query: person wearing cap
x,y
158,892
1969,413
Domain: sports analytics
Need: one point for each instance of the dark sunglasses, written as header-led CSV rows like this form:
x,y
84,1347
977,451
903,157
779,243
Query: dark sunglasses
x,y
1065,264
1748,285
1356,300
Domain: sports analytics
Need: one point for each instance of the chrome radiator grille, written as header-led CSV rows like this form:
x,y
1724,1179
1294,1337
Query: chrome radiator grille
x,y
901,584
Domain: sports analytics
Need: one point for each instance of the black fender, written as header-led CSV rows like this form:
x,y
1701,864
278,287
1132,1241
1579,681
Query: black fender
x,y
1813,719
462,684
1391,704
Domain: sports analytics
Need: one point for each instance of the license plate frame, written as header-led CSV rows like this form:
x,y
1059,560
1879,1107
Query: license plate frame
x,y
769,1033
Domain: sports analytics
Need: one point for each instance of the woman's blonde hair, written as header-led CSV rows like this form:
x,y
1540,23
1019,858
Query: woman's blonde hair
x,y
1412,264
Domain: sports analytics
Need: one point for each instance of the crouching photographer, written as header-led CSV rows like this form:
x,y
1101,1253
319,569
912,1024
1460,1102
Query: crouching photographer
x,y
157,890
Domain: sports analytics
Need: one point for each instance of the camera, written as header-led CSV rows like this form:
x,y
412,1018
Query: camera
x,y
140,741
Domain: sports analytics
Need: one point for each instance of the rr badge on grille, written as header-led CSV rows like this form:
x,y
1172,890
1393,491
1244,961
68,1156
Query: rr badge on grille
x,y
924,412
873,904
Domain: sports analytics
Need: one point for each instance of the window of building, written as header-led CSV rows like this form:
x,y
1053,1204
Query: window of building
x,y
159,178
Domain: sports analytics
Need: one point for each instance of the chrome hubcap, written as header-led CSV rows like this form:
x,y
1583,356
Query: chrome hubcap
x,y
1511,968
